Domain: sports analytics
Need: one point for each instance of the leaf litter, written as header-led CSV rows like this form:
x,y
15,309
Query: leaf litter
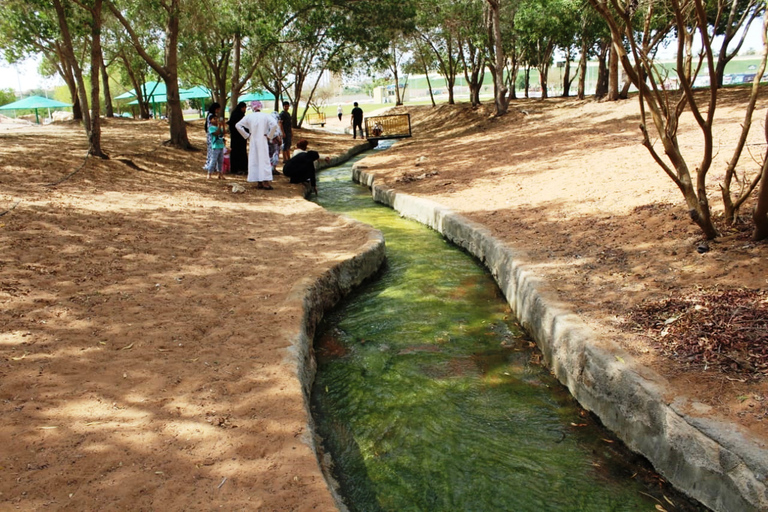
x,y
711,328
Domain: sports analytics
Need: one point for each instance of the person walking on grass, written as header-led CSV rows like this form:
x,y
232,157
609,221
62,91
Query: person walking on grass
x,y
357,121
258,127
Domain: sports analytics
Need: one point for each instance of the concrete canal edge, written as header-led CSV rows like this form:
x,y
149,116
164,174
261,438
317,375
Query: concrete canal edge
x,y
313,297
340,159
719,464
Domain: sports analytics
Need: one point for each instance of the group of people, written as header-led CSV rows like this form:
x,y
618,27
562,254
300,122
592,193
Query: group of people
x,y
269,135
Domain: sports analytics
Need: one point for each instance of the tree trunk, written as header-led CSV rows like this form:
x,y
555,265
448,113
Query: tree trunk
x,y
426,74
601,88
624,93
235,84
613,74
69,79
398,99
527,79
109,111
143,111
720,70
97,63
760,215
512,95
69,53
473,72
581,92
514,67
277,102
566,78
178,126
543,80
501,100
221,90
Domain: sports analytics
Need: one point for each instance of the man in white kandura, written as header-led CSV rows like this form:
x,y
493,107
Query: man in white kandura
x,y
258,128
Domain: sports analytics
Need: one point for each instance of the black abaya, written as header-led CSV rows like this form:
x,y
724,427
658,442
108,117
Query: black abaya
x,y
238,156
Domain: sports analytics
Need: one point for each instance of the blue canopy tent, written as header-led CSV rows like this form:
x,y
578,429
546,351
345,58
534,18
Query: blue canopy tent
x,y
34,103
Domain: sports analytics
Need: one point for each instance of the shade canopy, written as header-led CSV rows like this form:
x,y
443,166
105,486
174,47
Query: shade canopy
x,y
33,102
195,92
151,91
184,94
261,96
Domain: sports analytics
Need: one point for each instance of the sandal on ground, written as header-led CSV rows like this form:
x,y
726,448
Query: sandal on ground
x,y
260,186
268,187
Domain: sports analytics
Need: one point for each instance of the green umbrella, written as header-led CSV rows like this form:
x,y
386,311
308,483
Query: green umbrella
x,y
34,103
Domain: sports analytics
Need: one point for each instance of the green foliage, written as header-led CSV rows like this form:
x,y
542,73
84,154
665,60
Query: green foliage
x,y
7,96
27,28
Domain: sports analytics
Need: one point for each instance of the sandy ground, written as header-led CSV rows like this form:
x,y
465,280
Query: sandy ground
x,y
144,326
145,314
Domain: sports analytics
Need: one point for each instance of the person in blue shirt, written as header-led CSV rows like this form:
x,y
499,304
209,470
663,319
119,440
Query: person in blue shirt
x,y
211,115
216,132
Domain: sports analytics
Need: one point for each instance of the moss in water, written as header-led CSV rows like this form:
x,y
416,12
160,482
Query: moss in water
x,y
429,398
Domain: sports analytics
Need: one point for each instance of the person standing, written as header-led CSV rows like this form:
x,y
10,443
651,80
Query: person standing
x,y
285,127
339,112
276,144
238,155
216,160
210,117
357,121
258,127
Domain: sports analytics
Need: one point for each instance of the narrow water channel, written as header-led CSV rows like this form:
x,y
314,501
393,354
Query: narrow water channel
x,y
430,398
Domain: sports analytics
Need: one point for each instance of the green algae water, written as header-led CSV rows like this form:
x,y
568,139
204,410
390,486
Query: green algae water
x,y
428,396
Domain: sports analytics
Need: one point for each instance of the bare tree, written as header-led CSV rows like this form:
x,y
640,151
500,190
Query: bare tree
x,y
665,106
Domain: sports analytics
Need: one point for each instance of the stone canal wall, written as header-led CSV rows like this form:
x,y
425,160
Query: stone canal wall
x,y
313,297
716,463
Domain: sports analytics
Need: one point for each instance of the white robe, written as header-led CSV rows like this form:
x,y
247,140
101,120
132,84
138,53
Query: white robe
x,y
262,127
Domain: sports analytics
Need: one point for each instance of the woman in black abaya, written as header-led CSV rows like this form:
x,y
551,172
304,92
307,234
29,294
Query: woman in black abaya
x,y
238,156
